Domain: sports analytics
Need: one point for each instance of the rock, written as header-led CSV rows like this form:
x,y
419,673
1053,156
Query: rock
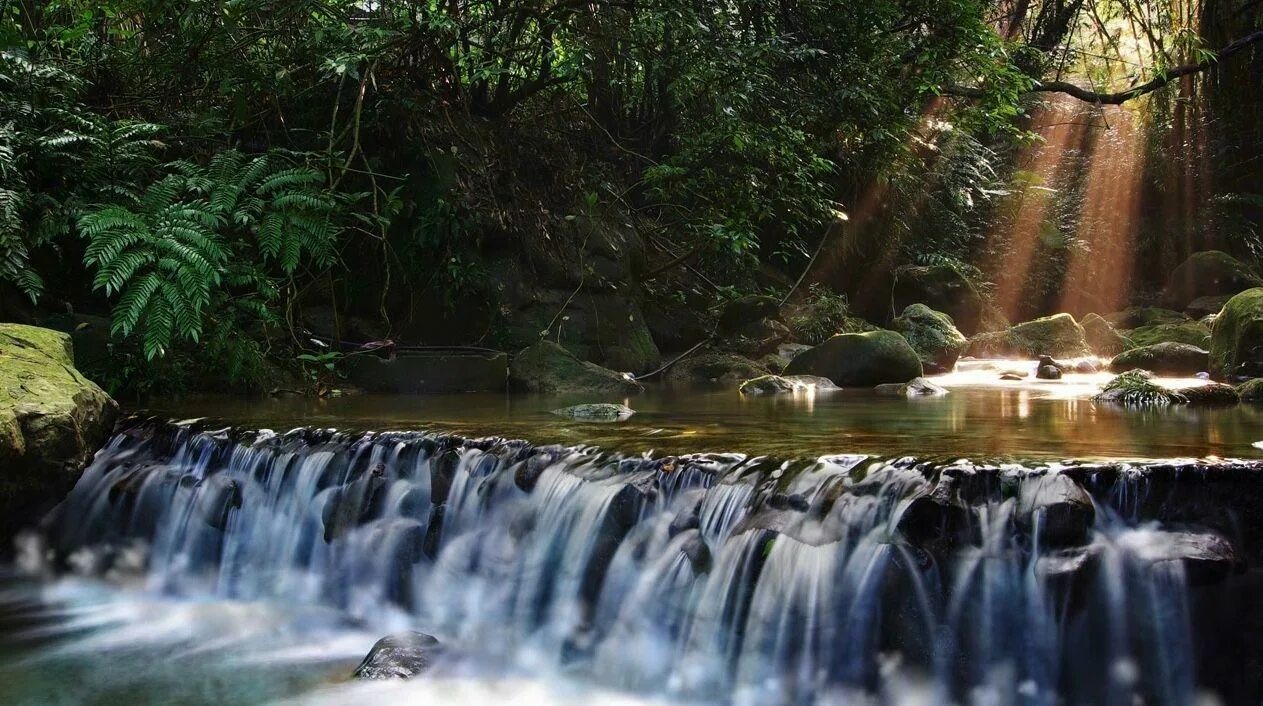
x,y
783,385
1206,274
789,350
713,369
1163,358
1251,391
596,412
1213,394
1057,507
860,359
1138,316
400,656
1202,307
607,328
52,420
89,337
1236,342
1191,332
425,372
946,289
756,338
1102,337
1207,558
916,387
932,335
1135,389
774,364
694,548
1013,375
742,311
547,367
1058,335
1048,372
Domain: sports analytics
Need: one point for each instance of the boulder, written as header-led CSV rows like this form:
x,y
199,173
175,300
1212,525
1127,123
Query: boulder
x,y
52,420
1138,316
598,412
399,656
1202,307
429,371
713,369
1102,337
1236,342
1250,391
607,328
1207,557
945,289
1163,358
547,367
1058,335
916,387
932,335
1214,394
1193,333
1057,508
1206,274
778,385
860,359
743,311
1135,389
1048,372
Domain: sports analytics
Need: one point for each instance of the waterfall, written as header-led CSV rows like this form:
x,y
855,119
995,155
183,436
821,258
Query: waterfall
x,y
715,577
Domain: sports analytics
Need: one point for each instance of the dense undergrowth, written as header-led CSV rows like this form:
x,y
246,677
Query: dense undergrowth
x,y
239,186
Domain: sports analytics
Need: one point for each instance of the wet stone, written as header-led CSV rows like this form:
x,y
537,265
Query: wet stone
x,y
400,656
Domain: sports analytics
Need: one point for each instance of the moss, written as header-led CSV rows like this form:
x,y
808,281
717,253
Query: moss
x,y
1166,358
1102,337
932,335
1192,333
1207,273
547,367
1057,335
1135,389
19,340
1251,390
1237,333
1213,394
860,359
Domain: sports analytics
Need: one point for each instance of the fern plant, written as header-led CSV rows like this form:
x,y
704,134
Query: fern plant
x,y
207,240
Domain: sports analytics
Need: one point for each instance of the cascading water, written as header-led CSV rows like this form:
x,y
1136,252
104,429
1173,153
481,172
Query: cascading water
x,y
716,578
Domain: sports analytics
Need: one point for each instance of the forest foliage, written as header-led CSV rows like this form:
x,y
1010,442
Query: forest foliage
x,y
200,167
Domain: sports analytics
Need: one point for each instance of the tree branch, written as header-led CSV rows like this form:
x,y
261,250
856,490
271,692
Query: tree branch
x,y
1120,97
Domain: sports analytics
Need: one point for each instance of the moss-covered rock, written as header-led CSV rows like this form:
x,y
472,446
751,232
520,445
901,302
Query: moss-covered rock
x,y
52,419
1164,358
778,385
547,367
1057,335
932,335
1138,316
713,369
1206,274
860,359
1135,389
944,288
916,387
1191,332
1236,342
596,412
1214,394
1251,390
1102,337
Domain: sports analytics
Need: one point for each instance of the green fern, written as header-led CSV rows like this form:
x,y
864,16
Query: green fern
x,y
200,239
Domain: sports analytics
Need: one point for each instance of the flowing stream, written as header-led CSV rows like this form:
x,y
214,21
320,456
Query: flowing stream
x,y
247,566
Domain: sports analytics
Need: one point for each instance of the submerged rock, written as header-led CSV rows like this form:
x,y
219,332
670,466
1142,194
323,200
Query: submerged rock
x,y
1236,344
1213,394
779,385
1058,335
1205,274
400,656
52,419
1058,509
860,359
1163,358
1135,389
916,387
599,412
932,335
547,367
